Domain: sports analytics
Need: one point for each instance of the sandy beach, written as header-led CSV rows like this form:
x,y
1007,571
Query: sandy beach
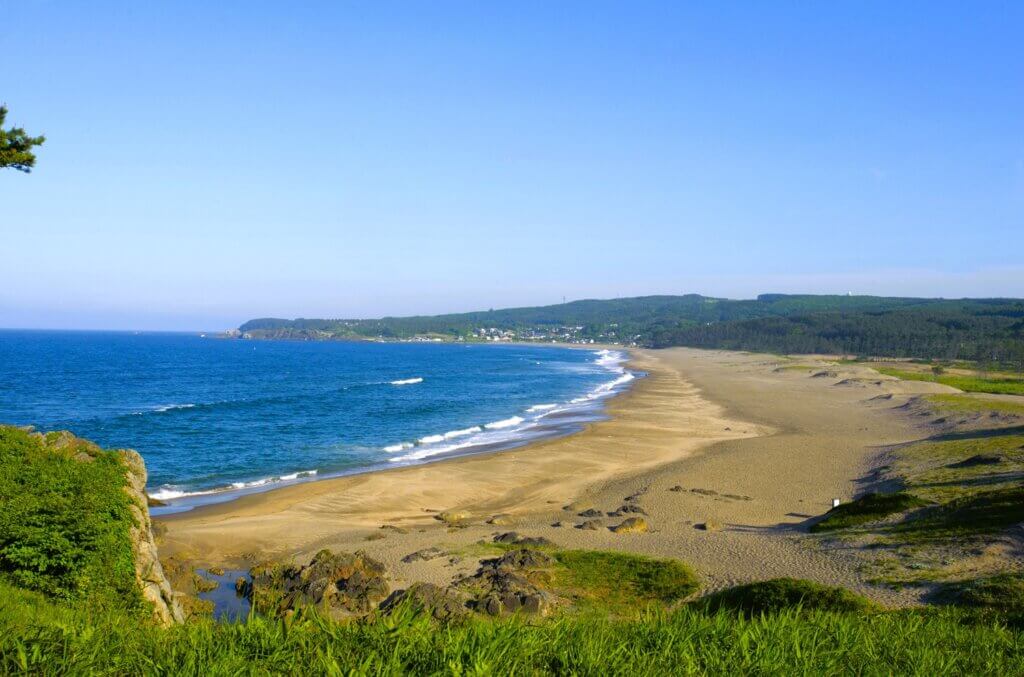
x,y
754,445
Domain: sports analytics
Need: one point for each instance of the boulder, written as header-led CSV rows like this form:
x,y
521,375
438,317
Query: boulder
x,y
510,584
710,525
502,520
344,585
424,555
452,517
590,525
632,525
628,508
444,604
512,538
591,512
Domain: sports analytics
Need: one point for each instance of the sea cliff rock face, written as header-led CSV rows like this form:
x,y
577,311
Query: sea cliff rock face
x,y
149,574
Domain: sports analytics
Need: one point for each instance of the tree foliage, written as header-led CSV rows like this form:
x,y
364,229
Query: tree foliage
x,y
16,146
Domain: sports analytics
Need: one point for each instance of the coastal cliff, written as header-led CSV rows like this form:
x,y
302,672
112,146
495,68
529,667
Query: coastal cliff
x,y
149,574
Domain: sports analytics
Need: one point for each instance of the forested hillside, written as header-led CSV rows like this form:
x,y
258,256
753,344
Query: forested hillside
x,y
972,329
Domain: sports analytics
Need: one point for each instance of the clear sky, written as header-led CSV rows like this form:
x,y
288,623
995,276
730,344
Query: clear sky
x,y
208,165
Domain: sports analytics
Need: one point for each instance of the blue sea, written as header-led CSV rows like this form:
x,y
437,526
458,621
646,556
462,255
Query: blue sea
x,y
215,418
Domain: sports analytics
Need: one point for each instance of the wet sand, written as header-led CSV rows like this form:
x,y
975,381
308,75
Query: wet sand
x,y
766,449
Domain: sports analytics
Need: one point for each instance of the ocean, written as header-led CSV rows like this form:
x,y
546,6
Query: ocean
x,y
216,418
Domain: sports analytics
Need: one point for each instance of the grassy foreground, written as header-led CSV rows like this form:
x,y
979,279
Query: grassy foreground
x,y
42,638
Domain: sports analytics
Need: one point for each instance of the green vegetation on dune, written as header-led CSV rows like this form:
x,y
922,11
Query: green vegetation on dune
x,y
53,640
965,404
1004,592
64,525
1005,385
622,583
779,594
868,508
978,513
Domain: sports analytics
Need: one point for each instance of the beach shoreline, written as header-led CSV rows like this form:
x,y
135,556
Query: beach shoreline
x,y
520,428
728,456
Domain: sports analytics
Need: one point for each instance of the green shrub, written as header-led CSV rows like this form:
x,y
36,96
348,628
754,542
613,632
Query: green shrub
x,y
64,526
868,508
778,594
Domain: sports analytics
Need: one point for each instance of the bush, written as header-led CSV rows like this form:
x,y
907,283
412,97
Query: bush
x,y
64,526
778,594
868,508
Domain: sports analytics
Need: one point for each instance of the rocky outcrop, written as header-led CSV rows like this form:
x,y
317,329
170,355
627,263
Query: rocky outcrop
x,y
511,583
444,604
149,574
344,585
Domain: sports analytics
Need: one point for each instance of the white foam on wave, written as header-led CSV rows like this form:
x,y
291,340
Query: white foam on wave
x,y
164,407
426,452
462,433
505,423
431,439
170,491
540,407
398,447
609,358
407,381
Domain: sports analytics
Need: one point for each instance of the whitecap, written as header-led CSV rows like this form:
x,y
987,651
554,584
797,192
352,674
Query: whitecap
x,y
462,433
407,381
431,439
540,407
506,423
170,407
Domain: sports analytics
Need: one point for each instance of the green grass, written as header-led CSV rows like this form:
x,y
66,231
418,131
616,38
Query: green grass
x,y
972,405
1002,385
931,469
53,640
984,512
867,508
779,594
621,583
1004,592
64,523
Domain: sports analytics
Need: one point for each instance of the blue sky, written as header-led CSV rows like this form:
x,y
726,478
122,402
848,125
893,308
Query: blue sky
x,y
208,165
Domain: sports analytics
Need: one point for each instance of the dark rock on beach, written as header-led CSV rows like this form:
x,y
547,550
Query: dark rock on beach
x,y
510,584
512,538
344,585
590,525
444,604
424,555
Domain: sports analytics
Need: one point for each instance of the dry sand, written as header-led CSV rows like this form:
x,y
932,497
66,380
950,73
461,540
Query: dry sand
x,y
766,445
